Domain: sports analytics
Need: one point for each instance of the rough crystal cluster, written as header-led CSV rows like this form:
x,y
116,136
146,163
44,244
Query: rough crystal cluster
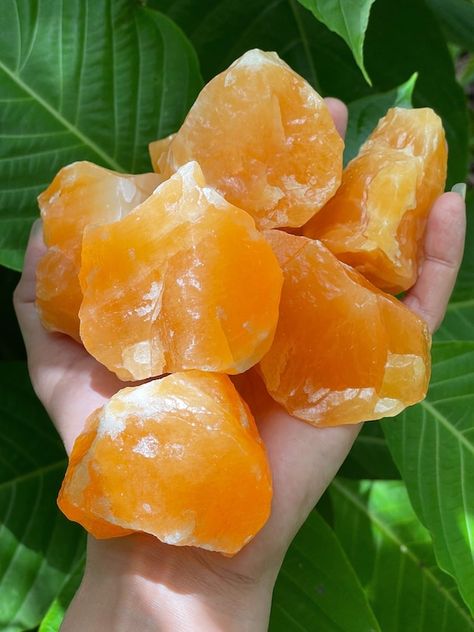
x,y
185,281
376,220
179,458
264,139
82,193
344,351
193,271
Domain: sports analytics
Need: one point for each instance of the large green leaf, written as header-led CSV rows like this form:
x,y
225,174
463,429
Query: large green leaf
x,y
393,556
365,113
39,548
82,80
53,618
458,323
404,37
457,18
11,342
370,457
464,289
347,19
222,30
317,588
433,446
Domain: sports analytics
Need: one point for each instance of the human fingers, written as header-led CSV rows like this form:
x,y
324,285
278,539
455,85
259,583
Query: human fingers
x,y
303,460
444,246
36,338
339,114
69,382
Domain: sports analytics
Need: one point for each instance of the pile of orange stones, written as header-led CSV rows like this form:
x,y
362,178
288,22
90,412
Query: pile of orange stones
x,y
249,248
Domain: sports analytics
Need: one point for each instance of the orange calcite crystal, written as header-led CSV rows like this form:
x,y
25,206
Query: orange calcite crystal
x,y
81,194
344,352
157,148
185,281
179,458
376,220
263,138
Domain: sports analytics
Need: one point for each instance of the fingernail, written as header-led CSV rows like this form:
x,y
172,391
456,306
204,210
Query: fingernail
x,y
460,189
37,227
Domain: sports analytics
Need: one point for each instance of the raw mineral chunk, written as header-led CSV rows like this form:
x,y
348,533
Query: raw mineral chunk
x,y
179,458
263,138
344,351
81,193
185,281
377,218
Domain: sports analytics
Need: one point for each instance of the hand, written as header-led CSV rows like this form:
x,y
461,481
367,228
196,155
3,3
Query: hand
x,y
138,583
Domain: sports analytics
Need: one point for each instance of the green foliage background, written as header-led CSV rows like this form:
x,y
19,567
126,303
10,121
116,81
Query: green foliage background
x,y
391,546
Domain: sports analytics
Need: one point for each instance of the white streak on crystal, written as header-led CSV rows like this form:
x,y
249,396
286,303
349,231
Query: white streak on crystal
x,y
175,449
154,291
110,424
388,406
173,538
214,198
147,446
127,188
256,58
141,352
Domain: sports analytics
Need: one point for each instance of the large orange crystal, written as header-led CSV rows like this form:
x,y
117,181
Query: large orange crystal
x,y
376,220
263,138
179,458
81,193
344,351
184,281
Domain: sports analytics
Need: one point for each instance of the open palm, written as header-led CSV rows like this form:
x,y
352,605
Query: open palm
x,y
71,384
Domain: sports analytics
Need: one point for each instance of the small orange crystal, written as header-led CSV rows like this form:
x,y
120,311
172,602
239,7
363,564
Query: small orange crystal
x,y
343,351
377,218
263,138
157,148
184,281
81,193
179,458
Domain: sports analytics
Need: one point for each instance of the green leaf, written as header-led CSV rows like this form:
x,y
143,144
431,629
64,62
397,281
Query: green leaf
x,y
370,457
82,80
458,323
55,615
466,75
317,589
11,342
457,19
465,283
404,37
222,30
39,548
365,113
393,556
347,19
433,446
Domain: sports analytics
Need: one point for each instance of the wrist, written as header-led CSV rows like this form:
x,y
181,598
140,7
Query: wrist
x,y
138,584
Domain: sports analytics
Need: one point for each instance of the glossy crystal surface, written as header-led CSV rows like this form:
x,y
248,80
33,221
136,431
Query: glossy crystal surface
x,y
377,218
179,458
263,138
185,281
344,351
81,194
